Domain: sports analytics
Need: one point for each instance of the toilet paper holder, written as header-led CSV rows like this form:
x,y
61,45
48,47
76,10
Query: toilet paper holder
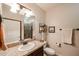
x,y
58,44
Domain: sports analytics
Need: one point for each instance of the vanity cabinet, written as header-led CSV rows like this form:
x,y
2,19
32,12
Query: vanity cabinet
x,y
38,52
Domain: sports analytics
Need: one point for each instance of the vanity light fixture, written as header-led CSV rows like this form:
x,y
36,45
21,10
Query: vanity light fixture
x,y
22,11
14,7
28,13
29,19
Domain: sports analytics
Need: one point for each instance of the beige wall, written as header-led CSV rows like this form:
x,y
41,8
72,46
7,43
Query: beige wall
x,y
63,16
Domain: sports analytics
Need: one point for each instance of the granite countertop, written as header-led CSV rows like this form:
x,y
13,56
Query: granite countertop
x,y
15,52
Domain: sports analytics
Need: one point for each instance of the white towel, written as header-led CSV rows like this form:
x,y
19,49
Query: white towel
x,y
66,36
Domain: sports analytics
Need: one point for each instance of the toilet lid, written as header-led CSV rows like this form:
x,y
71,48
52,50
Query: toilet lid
x,y
49,51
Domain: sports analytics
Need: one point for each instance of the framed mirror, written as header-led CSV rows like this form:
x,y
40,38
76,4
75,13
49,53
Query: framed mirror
x,y
28,27
12,23
18,24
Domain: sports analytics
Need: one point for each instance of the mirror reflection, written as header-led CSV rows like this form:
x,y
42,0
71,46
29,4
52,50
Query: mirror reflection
x,y
28,27
19,13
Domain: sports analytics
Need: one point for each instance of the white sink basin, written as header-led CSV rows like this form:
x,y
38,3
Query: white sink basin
x,y
28,46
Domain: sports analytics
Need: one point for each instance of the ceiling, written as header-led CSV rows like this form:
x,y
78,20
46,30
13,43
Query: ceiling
x,y
47,6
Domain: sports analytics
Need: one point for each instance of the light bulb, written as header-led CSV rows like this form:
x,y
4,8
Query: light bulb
x,y
13,10
22,11
14,7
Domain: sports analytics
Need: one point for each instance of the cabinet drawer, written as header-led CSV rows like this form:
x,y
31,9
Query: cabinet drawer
x,y
38,52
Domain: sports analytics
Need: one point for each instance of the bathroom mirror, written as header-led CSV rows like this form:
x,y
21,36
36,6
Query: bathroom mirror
x,y
12,23
28,26
18,22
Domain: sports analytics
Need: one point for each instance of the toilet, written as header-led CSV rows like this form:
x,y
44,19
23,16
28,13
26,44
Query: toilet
x,y
49,51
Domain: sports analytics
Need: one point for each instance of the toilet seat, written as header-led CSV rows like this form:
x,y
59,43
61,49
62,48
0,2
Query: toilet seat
x,y
49,51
